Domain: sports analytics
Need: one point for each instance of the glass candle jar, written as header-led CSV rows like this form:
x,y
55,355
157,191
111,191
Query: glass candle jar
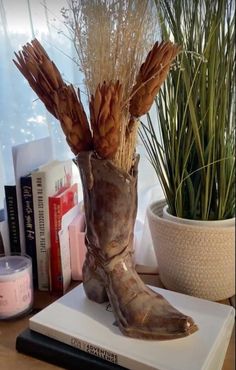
x,y
16,286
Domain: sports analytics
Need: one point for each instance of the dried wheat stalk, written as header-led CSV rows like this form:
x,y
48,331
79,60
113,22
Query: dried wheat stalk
x,y
111,38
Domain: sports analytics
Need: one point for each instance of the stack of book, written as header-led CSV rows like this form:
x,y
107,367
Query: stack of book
x,y
87,337
40,198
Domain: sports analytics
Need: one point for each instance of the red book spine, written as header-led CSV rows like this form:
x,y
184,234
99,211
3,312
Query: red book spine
x,y
58,206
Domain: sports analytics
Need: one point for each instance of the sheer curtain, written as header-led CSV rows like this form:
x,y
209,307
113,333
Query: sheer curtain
x,y
22,116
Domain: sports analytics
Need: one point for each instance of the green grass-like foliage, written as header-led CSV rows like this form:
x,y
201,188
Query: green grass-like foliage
x,y
191,143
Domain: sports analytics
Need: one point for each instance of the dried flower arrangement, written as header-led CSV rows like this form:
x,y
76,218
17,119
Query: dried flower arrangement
x,y
110,38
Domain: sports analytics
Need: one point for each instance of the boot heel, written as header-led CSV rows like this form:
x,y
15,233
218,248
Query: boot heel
x,y
93,285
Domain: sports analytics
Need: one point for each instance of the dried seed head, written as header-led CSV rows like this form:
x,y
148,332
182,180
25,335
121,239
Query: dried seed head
x,y
59,98
73,120
152,74
105,116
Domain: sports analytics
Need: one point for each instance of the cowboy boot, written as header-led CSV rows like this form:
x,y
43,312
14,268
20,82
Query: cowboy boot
x,y
110,202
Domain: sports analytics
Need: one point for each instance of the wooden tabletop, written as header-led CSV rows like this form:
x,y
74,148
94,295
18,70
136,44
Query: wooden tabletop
x,y
10,359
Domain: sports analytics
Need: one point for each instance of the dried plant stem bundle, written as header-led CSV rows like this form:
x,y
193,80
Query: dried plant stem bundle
x,y
111,38
125,154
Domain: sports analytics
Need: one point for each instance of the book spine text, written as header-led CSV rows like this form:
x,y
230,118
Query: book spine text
x,y
82,345
55,215
12,217
38,184
29,223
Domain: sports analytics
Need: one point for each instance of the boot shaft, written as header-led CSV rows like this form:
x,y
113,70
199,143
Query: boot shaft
x,y
110,201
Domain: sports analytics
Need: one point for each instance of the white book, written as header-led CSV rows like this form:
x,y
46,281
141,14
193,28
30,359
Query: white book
x,y
26,158
89,326
46,181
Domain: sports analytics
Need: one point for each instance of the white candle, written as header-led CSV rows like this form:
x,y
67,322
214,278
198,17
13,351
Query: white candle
x,y
16,288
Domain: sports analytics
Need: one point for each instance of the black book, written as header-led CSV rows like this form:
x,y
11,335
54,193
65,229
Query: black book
x,y
57,353
12,218
29,224
2,218
1,245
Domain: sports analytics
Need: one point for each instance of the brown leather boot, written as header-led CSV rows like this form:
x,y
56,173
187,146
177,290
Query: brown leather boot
x,y
110,202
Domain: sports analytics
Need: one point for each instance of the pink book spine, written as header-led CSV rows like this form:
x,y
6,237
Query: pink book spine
x,y
77,246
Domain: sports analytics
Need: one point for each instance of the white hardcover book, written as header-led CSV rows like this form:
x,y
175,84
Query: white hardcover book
x,y
46,181
89,326
26,158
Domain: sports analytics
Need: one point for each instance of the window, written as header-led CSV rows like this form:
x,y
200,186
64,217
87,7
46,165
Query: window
x,y
22,115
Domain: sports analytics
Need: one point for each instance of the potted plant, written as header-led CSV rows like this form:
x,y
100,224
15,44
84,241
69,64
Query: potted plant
x,y
192,149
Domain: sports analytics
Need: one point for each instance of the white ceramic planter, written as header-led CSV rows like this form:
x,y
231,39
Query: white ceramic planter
x,y
199,259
